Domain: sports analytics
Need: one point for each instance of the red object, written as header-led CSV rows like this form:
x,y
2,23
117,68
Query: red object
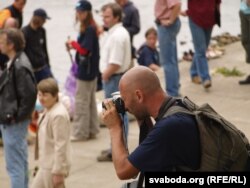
x,y
202,12
79,49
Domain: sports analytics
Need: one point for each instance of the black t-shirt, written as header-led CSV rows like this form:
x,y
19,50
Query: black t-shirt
x,y
36,46
174,141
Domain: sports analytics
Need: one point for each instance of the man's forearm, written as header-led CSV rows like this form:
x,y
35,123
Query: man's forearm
x,y
119,151
109,71
175,13
124,169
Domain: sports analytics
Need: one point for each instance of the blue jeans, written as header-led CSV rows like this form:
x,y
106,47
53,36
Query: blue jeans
x,y
201,38
110,87
168,56
16,153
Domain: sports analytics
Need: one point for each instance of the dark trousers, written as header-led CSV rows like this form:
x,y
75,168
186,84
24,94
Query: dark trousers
x,y
245,33
44,73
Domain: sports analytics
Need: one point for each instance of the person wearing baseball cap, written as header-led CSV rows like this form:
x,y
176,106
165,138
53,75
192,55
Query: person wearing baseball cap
x,y
83,5
85,121
36,47
41,13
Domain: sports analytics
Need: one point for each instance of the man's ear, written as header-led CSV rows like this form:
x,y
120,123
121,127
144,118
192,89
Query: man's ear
x,y
139,96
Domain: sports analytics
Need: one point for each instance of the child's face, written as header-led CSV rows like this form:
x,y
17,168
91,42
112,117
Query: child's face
x,y
151,40
46,99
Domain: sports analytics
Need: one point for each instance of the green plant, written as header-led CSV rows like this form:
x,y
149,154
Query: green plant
x,y
227,72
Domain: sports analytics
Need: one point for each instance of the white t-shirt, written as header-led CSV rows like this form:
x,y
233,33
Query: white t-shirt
x,y
116,49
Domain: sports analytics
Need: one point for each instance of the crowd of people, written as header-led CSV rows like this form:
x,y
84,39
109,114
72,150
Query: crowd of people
x,y
25,70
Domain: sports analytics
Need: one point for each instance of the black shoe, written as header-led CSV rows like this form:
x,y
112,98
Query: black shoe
x,y
105,157
246,81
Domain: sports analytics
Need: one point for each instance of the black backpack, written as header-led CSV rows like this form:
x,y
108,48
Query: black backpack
x,y
223,146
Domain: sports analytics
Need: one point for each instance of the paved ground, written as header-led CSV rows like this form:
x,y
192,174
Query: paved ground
x,y
226,96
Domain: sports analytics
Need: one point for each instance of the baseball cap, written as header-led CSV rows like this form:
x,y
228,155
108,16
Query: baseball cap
x,y
83,5
41,13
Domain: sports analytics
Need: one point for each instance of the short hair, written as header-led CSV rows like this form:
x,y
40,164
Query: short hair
x,y
48,85
14,36
23,1
116,10
151,30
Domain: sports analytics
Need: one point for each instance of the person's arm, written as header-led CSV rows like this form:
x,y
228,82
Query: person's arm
x,y
183,13
26,92
154,67
78,48
109,71
124,169
134,27
45,48
61,133
218,5
175,13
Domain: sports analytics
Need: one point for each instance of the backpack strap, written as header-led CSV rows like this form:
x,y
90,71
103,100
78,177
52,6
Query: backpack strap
x,y
165,107
190,108
177,109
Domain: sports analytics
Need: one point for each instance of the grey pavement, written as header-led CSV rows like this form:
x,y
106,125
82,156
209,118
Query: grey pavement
x,y
226,96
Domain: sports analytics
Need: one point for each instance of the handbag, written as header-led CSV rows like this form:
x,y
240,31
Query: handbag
x,y
70,86
84,60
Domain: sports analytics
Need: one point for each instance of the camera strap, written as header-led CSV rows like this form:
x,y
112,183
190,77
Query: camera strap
x,y
124,130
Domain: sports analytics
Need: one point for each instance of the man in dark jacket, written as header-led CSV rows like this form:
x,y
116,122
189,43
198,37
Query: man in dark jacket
x,y
36,47
17,100
131,20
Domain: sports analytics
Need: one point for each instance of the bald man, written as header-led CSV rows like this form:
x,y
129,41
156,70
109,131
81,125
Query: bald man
x,y
9,23
15,10
173,141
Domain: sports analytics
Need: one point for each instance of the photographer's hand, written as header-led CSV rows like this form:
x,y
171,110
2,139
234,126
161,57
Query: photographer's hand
x,y
110,117
124,169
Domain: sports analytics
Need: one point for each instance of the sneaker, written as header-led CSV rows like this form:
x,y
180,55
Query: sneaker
x,y
75,139
103,126
103,152
107,157
207,84
246,81
196,80
92,136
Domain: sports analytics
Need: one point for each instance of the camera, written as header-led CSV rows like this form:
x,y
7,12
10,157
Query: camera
x,y
118,102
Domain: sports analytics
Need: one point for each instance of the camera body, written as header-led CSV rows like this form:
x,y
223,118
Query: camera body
x,y
118,102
